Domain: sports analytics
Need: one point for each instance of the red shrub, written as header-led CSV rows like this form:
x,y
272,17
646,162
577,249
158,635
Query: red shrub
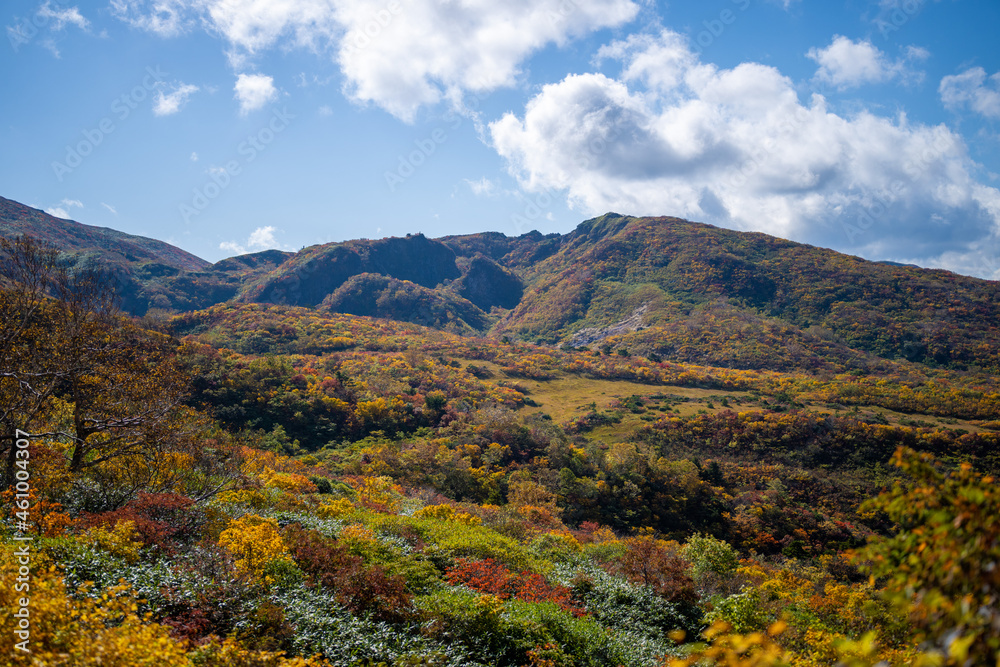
x,y
653,563
162,519
359,587
489,576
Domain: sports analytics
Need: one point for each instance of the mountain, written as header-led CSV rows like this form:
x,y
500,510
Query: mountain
x,y
698,293
659,287
309,276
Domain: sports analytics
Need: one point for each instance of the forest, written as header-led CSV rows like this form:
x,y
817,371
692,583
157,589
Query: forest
x,y
283,484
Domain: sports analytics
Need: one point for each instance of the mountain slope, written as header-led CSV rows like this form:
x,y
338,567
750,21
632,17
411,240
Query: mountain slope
x,y
151,274
679,272
659,287
108,245
315,272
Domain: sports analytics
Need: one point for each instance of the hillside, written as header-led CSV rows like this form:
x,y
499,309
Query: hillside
x,y
693,292
106,245
151,275
664,288
283,485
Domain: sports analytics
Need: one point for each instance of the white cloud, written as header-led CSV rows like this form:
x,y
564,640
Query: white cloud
x,y
233,247
261,238
165,18
395,54
166,104
972,89
433,51
254,91
194,156
111,208
848,64
484,187
62,211
62,17
736,147
325,111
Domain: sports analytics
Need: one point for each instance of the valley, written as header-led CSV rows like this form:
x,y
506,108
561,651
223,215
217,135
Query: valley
x,y
645,442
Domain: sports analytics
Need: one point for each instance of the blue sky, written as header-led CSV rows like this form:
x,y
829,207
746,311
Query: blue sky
x,y
226,126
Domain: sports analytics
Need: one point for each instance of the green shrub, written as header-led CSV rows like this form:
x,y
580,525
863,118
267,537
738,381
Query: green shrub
x,y
709,554
742,611
557,548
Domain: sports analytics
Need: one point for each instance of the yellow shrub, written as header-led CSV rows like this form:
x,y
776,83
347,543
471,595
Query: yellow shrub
x,y
123,540
357,533
447,513
732,650
290,483
254,543
335,508
249,497
80,631
229,653
381,491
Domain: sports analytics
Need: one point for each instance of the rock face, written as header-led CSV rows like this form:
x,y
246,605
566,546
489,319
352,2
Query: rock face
x,y
590,335
488,284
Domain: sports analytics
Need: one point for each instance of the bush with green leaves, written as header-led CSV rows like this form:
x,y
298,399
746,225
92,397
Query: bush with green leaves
x,y
557,548
709,554
942,569
742,611
503,633
324,627
631,609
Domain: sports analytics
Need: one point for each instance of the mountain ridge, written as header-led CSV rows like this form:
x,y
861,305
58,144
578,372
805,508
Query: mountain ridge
x,y
661,287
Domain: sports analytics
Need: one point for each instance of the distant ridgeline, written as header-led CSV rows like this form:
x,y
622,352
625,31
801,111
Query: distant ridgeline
x,y
659,287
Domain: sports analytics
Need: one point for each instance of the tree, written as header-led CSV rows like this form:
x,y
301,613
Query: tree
x,y
942,567
63,336
29,274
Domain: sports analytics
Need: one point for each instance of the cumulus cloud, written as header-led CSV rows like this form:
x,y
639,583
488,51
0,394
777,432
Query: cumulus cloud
x,y
167,103
673,136
397,55
254,91
432,51
849,64
972,89
261,238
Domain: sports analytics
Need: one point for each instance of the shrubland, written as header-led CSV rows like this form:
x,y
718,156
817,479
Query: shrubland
x,y
270,485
